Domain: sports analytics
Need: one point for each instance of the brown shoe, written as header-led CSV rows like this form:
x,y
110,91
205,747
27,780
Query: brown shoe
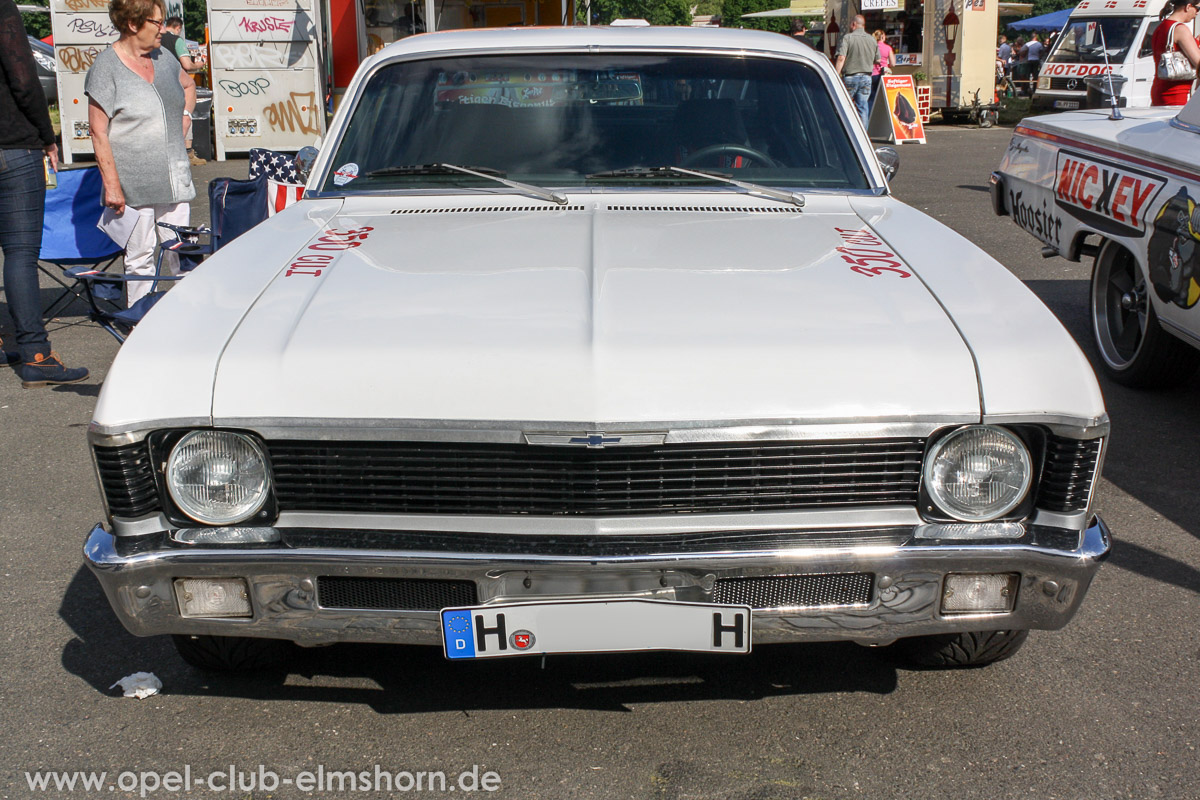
x,y
195,160
45,370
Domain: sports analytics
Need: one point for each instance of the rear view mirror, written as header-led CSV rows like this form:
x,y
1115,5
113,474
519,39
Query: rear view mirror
x,y
889,159
304,161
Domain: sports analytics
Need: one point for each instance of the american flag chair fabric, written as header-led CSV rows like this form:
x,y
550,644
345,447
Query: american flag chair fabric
x,y
283,184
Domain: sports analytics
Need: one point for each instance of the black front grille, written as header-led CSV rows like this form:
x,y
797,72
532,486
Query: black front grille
x,y
1067,474
507,479
127,479
394,594
796,591
1061,85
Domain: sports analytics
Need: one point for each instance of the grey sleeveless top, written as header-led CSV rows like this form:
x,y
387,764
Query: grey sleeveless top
x,y
146,131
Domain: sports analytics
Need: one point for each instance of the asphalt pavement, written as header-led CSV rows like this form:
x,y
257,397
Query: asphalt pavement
x,y
1104,709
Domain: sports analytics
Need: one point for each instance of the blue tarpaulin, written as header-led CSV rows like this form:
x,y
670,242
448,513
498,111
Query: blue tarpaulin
x,y
1046,22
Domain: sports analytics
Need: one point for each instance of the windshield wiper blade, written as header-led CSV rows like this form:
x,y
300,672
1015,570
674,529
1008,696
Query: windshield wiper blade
x,y
795,198
427,169
634,172
525,188
671,171
487,173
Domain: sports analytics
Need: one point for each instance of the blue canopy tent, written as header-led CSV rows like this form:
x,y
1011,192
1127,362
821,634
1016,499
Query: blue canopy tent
x,y
1053,21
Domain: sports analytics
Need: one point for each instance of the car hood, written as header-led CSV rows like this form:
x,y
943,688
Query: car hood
x,y
633,310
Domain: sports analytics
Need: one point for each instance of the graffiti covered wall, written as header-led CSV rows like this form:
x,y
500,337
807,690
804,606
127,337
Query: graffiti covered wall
x,y
265,75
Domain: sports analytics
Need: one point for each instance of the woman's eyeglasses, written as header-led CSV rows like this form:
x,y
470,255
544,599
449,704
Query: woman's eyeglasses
x,y
157,22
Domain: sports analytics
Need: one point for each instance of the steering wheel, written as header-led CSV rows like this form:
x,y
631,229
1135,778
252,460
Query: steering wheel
x,y
730,149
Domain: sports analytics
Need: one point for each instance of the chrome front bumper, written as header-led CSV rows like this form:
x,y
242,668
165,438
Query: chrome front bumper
x,y
1056,567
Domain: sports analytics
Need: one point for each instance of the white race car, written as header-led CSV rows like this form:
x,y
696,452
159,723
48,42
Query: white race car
x,y
1123,192
598,339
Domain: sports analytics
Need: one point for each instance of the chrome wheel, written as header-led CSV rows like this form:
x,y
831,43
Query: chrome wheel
x,y
1134,349
1120,307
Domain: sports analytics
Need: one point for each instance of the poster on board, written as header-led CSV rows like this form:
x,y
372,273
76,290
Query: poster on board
x,y
894,116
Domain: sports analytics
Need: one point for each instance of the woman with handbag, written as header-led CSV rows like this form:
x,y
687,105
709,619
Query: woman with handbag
x,y
1176,55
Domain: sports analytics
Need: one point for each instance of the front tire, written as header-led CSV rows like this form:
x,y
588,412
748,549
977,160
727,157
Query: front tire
x,y
231,653
950,650
1134,349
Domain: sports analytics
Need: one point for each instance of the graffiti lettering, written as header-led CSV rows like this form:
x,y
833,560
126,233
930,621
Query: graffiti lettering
x,y
86,5
243,88
265,24
76,59
246,55
298,113
92,27
272,3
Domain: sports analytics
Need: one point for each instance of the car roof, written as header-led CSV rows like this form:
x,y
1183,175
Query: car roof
x,y
598,35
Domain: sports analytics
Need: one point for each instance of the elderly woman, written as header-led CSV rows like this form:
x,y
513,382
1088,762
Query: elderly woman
x,y
140,105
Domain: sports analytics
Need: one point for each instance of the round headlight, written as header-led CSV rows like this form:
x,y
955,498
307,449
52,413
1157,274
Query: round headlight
x,y
217,477
978,473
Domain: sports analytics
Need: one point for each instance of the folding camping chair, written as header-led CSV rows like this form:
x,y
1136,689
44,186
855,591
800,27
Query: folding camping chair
x,y
234,207
70,238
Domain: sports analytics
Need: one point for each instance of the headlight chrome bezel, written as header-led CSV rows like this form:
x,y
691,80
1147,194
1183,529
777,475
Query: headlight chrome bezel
x,y
935,501
259,509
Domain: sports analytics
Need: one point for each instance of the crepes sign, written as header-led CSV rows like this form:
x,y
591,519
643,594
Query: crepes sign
x,y
1112,198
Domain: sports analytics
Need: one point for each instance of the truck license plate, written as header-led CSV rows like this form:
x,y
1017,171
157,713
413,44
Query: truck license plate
x,y
594,626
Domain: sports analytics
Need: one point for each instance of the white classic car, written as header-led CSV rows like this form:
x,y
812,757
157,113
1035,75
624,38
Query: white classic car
x,y
588,340
1122,192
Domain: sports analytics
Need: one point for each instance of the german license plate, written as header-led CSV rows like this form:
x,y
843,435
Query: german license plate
x,y
594,626
1066,104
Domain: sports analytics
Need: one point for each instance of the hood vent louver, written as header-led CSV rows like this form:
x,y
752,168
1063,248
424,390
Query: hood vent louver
x,y
484,209
777,209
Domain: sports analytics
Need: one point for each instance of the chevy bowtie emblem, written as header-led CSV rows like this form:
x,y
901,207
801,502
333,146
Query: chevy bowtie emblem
x,y
595,440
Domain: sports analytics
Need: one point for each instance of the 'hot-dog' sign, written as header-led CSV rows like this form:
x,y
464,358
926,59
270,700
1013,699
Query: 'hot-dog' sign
x,y
1112,198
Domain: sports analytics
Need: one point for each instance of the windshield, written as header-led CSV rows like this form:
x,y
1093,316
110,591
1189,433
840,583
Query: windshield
x,y
1080,42
583,119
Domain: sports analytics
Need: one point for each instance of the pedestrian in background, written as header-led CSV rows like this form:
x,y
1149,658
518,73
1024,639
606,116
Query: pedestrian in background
x,y
800,32
140,105
26,140
1033,54
882,67
857,54
1176,30
173,43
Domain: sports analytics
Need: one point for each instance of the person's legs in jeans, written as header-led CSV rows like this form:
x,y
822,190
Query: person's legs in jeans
x,y
22,201
859,87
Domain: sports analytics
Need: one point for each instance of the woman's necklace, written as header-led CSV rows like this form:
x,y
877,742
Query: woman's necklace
x,y
141,65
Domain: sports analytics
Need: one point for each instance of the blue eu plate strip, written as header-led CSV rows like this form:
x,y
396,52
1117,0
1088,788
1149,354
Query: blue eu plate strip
x,y
458,634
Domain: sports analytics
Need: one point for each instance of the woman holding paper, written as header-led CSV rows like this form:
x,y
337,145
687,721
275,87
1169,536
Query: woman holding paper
x,y
140,105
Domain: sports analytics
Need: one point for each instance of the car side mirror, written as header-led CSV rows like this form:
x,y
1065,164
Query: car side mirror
x,y
305,159
889,159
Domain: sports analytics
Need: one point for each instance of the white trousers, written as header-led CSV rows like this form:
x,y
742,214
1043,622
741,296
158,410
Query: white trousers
x,y
140,251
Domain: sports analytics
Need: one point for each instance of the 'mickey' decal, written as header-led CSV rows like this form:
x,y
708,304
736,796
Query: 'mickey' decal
x,y
1112,198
